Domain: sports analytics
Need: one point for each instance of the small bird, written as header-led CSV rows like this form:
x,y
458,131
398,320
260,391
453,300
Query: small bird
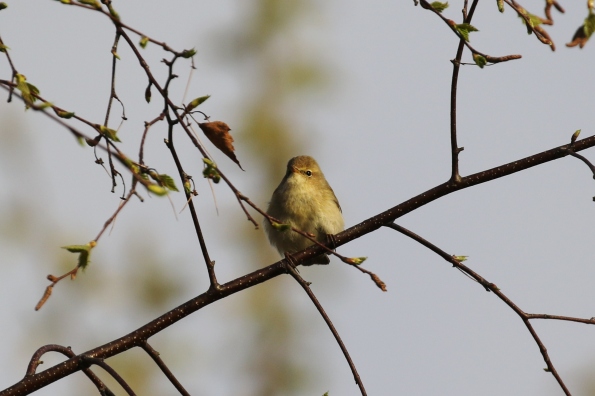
x,y
304,200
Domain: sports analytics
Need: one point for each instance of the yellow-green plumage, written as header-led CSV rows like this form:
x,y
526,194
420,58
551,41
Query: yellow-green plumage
x,y
306,201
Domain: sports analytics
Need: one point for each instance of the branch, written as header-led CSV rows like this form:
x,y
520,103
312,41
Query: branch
x,y
141,335
329,323
34,362
525,317
390,215
99,362
155,356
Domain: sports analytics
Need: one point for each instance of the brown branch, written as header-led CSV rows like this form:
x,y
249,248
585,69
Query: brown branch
x,y
330,325
390,215
99,362
12,68
67,351
493,288
142,334
139,336
467,17
155,356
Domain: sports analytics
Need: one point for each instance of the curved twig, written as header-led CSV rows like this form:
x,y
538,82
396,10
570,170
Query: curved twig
x,y
493,288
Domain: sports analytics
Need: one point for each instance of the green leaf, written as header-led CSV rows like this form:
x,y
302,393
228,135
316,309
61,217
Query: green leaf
x,y
93,3
114,53
589,26
438,6
64,114
479,60
464,29
144,41
357,260
500,5
168,182
188,53
27,90
534,20
208,162
211,173
196,102
109,133
460,259
157,190
3,5
84,252
188,187
3,48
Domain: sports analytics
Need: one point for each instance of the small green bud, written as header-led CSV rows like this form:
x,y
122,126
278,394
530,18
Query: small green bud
x,y
280,226
575,136
188,53
157,190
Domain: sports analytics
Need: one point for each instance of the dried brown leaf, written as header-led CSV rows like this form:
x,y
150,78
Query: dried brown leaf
x,y
218,133
378,282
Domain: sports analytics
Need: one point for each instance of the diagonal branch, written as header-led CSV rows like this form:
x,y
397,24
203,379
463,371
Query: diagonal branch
x,y
525,317
170,376
305,285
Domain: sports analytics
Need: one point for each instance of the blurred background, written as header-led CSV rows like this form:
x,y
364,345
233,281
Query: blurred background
x,y
364,88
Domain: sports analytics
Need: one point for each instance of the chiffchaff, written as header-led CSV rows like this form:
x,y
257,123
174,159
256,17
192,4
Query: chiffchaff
x,y
305,201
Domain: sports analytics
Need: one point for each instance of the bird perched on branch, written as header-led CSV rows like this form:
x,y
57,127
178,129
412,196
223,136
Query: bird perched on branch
x,y
304,200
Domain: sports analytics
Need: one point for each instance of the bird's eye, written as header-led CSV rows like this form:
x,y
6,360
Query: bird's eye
x,y
308,173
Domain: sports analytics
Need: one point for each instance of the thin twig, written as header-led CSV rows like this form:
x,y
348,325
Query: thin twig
x,y
66,351
101,363
291,270
155,356
493,288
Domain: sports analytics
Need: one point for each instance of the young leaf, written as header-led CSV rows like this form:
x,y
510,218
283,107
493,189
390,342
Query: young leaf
x,y
168,182
144,41
63,114
356,260
479,60
3,5
195,103
93,3
438,6
83,250
210,171
188,53
109,133
589,25
218,133
500,5
27,90
464,29
575,136
157,190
